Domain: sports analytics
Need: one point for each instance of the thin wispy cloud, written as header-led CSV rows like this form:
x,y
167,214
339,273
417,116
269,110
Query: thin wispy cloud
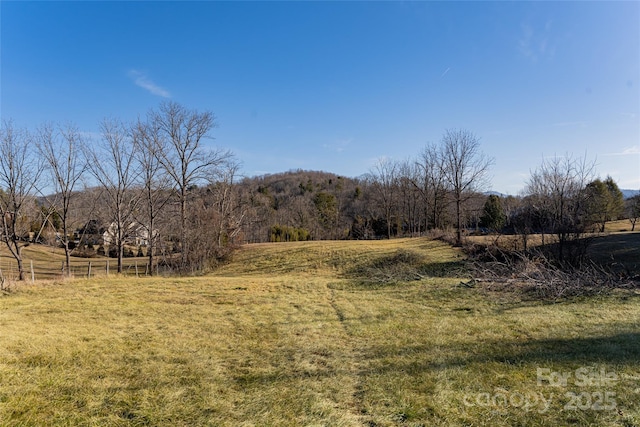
x,y
631,151
535,43
555,157
339,146
445,72
91,136
143,81
565,124
371,162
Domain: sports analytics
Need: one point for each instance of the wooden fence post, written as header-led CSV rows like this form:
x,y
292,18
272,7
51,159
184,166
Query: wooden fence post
x,y
89,270
33,277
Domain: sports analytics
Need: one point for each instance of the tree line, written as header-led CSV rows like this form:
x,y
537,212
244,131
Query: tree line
x,y
158,179
147,174
440,189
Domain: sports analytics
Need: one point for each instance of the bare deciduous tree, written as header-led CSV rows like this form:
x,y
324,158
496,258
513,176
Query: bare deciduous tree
x,y
20,172
61,150
113,164
430,183
556,189
156,184
632,210
464,168
230,209
410,205
184,156
383,180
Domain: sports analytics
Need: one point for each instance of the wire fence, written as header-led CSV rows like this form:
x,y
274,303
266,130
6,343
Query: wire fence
x,y
85,268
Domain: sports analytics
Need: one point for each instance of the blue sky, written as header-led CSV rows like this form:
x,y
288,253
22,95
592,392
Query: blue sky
x,y
336,85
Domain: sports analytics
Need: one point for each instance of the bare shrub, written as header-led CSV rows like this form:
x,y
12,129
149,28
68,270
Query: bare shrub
x,y
7,284
443,235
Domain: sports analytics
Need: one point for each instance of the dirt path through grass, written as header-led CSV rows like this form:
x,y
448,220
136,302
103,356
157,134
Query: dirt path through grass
x,y
357,362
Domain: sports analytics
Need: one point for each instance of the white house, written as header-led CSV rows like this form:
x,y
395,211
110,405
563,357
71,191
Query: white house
x,y
135,234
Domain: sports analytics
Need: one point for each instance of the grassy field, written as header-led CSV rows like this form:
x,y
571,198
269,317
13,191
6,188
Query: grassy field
x,y
316,334
619,225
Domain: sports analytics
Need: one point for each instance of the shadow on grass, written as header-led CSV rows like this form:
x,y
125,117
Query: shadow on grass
x,y
620,251
401,266
621,348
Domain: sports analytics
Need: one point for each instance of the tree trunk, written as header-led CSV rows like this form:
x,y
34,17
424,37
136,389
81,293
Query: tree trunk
x,y
67,253
458,222
120,253
67,258
150,255
183,228
120,246
150,247
18,257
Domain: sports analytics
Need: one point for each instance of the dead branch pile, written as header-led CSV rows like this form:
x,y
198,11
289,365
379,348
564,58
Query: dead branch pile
x,y
536,275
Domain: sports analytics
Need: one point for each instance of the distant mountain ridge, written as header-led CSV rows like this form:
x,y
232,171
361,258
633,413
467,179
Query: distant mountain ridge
x,y
495,193
627,194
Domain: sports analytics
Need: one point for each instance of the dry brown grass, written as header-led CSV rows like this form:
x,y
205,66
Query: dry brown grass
x,y
619,226
285,335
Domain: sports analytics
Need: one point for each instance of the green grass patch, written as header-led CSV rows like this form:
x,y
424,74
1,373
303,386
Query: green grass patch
x,y
290,334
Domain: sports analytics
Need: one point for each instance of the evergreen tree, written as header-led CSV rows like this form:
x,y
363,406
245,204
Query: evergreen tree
x,y
616,207
327,208
493,216
605,202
